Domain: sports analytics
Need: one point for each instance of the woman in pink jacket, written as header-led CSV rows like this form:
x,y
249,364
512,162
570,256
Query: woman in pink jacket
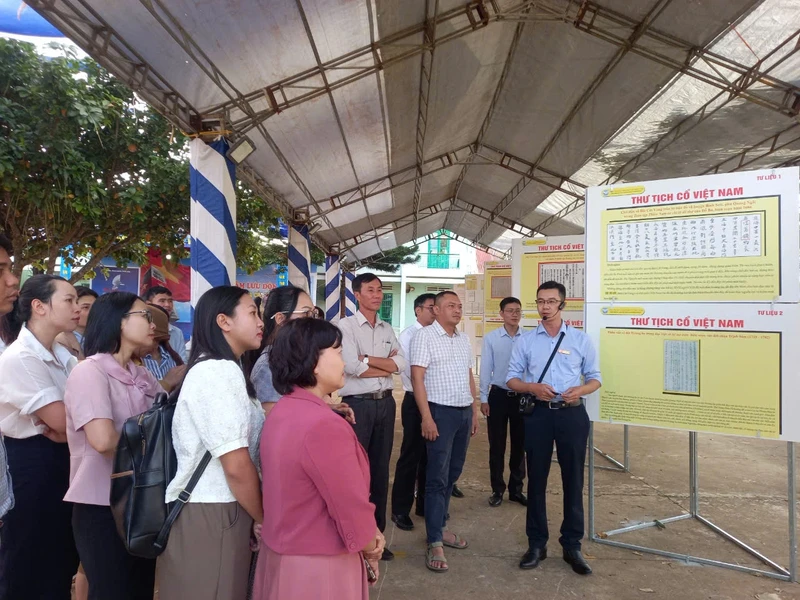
x,y
319,538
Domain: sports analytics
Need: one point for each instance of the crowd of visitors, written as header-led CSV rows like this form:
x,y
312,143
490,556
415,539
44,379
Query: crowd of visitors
x,y
292,501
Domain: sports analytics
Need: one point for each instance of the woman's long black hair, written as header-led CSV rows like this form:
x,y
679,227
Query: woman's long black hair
x,y
208,340
282,300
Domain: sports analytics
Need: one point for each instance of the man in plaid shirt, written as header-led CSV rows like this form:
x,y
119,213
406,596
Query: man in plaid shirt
x,y
444,388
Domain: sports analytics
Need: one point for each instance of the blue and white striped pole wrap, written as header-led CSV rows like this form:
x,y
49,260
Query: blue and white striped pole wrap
x,y
300,257
349,296
212,216
333,288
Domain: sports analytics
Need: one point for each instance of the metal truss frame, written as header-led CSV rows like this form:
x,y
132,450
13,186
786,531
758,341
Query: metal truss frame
x,y
670,51
710,108
394,225
455,203
425,73
739,161
76,19
637,32
336,115
492,105
777,572
758,151
171,25
245,111
365,61
405,176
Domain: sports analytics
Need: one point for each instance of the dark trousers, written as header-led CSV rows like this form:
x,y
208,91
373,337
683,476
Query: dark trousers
x,y
110,570
504,413
569,429
413,461
374,428
446,456
37,552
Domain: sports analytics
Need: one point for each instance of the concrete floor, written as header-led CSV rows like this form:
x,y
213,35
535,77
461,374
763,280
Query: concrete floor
x,y
743,489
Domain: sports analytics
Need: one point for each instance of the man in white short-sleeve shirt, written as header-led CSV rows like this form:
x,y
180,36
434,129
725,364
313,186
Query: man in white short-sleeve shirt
x,y
371,356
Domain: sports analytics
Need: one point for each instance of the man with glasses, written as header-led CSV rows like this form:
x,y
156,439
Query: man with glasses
x,y
500,406
371,355
410,469
558,415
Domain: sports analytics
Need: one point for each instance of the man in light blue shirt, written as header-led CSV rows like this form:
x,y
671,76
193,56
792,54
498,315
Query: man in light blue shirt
x,y
558,416
500,405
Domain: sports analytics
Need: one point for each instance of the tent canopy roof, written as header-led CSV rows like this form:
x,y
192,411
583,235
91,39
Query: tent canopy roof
x,y
382,122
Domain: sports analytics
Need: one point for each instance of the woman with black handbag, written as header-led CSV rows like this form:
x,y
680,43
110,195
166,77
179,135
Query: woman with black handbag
x,y
102,392
208,553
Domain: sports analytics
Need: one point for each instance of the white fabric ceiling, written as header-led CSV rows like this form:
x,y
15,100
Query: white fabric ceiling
x,y
507,118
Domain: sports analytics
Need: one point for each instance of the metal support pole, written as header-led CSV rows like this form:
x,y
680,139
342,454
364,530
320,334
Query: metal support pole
x,y
626,449
792,512
591,482
694,501
779,572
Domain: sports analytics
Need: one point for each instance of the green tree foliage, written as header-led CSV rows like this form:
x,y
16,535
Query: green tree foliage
x,y
84,164
391,260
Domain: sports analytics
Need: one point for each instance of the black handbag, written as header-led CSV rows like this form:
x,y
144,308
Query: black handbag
x,y
528,401
144,464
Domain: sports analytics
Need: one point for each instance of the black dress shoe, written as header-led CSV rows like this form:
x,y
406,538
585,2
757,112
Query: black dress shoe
x,y
403,522
387,555
532,558
495,499
518,497
457,493
579,564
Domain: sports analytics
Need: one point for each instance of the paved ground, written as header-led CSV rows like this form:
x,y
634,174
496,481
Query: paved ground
x,y
743,486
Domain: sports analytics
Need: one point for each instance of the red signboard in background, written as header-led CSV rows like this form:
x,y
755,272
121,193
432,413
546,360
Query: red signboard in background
x,y
172,275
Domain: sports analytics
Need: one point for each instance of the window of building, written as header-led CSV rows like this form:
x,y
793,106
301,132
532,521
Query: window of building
x,y
439,256
387,307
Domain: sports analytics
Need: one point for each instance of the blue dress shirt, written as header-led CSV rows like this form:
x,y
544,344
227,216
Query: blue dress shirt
x,y
576,358
496,354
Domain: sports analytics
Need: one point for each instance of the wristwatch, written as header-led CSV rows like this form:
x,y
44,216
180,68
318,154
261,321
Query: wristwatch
x,y
365,360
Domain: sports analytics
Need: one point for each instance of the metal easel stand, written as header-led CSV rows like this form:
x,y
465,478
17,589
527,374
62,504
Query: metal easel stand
x,y
779,572
622,467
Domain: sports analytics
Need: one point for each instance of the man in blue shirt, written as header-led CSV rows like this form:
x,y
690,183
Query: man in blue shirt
x,y
558,416
500,406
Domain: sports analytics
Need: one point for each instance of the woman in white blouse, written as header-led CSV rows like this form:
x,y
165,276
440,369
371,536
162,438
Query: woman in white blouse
x,y
37,554
208,551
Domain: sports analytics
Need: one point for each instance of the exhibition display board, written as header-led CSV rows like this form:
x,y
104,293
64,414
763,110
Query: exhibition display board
x,y
472,317
497,284
537,260
692,285
692,289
